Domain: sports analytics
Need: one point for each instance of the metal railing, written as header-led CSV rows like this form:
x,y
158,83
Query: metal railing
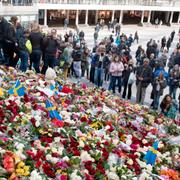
x,y
115,2
94,2
16,2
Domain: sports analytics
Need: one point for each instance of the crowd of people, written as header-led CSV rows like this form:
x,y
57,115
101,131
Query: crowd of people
x,y
110,60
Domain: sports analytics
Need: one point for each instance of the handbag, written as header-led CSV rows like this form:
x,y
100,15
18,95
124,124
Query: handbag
x,y
132,78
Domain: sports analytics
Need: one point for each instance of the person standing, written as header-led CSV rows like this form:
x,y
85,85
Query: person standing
x,y
163,43
3,24
159,84
95,37
128,80
85,62
136,37
168,45
23,50
172,35
67,55
143,79
100,67
10,42
174,80
118,29
168,107
116,69
51,44
66,22
36,39
77,58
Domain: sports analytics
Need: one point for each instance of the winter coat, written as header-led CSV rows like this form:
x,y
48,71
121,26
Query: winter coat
x,y
104,64
51,45
159,86
146,74
116,68
36,39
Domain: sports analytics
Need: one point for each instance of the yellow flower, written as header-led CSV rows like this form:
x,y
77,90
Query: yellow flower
x,y
59,171
20,164
20,171
26,168
26,173
1,92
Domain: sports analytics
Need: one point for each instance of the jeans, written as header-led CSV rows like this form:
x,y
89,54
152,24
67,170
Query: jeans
x,y
49,61
77,68
24,60
172,91
156,100
98,76
114,79
35,58
92,72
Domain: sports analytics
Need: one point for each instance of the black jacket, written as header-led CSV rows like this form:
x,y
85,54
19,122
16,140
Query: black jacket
x,y
3,27
10,34
146,74
77,55
50,45
36,39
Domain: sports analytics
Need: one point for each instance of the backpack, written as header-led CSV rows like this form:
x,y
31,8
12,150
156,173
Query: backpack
x,y
28,46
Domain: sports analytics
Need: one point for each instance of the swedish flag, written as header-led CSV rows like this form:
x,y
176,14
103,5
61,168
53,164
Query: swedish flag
x,y
53,88
151,154
18,89
52,111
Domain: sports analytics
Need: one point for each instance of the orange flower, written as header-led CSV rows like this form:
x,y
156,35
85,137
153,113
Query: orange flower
x,y
9,162
173,175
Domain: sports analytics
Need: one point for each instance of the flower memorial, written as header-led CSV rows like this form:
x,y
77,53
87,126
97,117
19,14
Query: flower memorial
x,y
60,130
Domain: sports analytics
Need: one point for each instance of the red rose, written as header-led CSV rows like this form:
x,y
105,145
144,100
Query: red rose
x,y
48,170
84,119
33,121
105,153
38,164
87,148
100,168
46,139
10,132
63,177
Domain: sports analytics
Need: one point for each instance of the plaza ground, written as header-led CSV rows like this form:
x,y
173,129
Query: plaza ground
x,y
145,34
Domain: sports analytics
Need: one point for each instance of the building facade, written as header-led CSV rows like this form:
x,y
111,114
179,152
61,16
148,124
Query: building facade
x,y
89,12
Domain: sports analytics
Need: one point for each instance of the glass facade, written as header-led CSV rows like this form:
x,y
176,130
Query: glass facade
x,y
116,2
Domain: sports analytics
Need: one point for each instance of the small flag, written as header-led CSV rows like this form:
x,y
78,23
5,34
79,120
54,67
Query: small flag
x,y
151,154
53,88
52,111
18,89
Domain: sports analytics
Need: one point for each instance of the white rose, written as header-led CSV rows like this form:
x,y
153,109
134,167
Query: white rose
x,y
115,141
112,176
81,144
130,162
85,156
57,139
37,123
65,159
48,157
144,141
149,168
35,176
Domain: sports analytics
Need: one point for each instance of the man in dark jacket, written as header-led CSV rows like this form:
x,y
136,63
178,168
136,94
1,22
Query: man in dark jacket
x,y
3,24
10,42
51,45
144,76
